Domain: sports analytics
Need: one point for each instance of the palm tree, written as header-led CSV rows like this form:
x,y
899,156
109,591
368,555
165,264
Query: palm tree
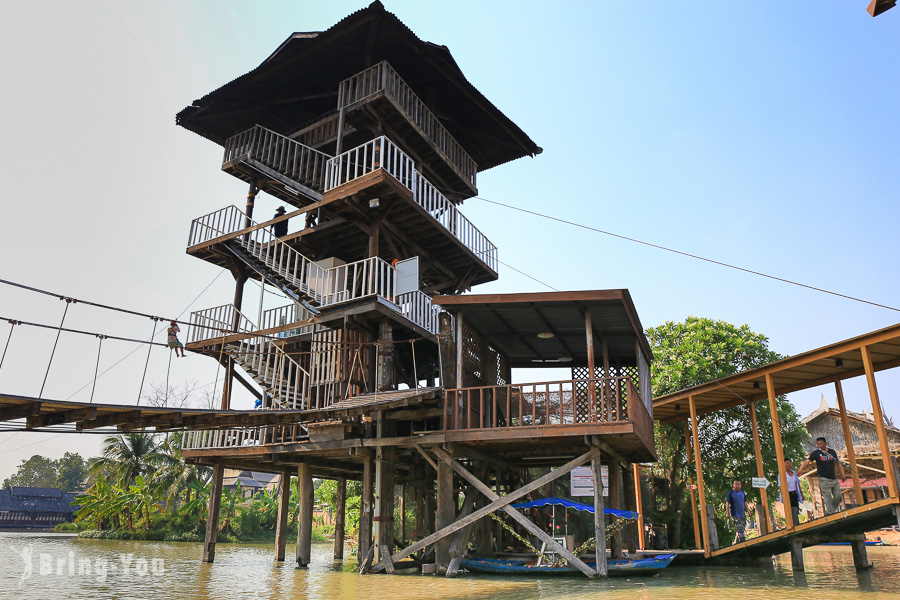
x,y
174,475
129,455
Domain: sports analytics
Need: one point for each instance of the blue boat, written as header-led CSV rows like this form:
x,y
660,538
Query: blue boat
x,y
616,567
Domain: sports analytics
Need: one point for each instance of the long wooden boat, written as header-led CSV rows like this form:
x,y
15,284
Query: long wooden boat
x,y
616,567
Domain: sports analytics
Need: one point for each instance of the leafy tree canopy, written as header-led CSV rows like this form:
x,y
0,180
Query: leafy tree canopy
x,y
37,471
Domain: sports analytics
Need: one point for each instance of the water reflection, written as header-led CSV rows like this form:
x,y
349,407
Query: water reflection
x,y
247,572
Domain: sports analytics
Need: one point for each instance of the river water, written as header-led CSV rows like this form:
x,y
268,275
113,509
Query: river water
x,y
43,566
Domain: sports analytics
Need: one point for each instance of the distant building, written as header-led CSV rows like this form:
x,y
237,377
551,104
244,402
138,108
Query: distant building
x,y
251,481
825,422
35,507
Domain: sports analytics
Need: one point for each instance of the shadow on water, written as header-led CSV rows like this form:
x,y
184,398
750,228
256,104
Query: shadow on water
x,y
247,572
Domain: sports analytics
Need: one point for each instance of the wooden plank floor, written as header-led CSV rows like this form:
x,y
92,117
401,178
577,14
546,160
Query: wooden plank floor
x,y
836,527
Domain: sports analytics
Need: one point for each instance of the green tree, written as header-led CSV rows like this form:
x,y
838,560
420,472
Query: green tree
x,y
72,471
695,352
37,471
129,455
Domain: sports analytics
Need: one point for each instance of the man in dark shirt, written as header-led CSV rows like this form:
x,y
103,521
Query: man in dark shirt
x,y
826,461
734,502
280,228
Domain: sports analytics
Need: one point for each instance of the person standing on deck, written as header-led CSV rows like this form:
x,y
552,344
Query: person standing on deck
x,y
795,494
734,503
173,339
280,228
826,459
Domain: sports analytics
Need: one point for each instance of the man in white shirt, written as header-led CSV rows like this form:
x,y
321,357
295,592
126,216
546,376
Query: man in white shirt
x,y
795,492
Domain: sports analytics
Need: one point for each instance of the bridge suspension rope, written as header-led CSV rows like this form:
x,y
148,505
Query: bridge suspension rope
x,y
12,326
97,367
58,332
146,362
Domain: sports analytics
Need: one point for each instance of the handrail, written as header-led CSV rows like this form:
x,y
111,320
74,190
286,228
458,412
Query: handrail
x,y
418,307
285,315
563,402
217,321
382,77
286,156
382,153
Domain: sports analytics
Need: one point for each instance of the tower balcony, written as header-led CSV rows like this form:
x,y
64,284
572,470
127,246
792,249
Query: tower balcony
x,y
379,96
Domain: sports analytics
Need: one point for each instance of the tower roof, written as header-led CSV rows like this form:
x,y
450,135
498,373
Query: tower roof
x,y
299,82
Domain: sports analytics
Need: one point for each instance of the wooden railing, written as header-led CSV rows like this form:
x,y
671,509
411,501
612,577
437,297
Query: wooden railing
x,y
367,277
567,402
382,77
285,381
285,315
218,321
288,157
241,437
382,153
418,308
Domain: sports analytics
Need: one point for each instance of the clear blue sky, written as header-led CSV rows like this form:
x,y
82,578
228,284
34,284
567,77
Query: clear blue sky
x,y
763,134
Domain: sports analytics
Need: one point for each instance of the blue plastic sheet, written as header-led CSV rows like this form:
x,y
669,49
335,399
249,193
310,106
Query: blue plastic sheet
x,y
625,514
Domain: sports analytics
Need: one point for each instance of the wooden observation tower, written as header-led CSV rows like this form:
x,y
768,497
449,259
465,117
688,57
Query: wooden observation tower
x,y
378,368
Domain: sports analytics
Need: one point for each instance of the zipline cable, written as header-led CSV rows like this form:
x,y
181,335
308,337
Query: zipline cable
x,y
58,332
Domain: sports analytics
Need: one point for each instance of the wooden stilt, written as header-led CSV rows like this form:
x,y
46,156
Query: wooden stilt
x,y
384,377
615,491
642,544
760,472
384,501
599,520
460,539
401,507
305,515
698,465
779,450
339,518
212,517
848,442
446,513
890,473
796,553
281,525
366,506
860,555
689,450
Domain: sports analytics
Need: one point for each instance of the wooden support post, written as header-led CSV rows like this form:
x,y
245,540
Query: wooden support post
x,y
760,472
615,492
305,514
599,519
689,451
796,551
446,513
460,540
447,351
384,500
890,474
592,384
848,442
763,518
698,465
779,451
642,544
366,506
401,507
385,373
419,526
340,518
860,555
339,145
498,504
212,516
281,524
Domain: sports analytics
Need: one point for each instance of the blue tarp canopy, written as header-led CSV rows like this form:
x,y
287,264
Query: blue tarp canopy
x,y
625,514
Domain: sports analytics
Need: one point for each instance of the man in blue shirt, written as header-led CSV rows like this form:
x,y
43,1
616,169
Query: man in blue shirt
x,y
734,502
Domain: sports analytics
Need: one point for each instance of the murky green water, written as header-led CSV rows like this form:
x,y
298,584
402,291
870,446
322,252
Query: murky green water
x,y
67,567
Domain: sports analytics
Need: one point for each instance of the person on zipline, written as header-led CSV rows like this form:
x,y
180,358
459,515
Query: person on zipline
x,y
173,339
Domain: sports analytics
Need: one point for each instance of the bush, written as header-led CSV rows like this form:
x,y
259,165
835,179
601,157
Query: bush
x,y
66,527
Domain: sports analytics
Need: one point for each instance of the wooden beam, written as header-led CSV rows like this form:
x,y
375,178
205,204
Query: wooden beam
x,y
848,441
56,418
599,520
698,464
760,472
305,514
116,418
281,524
212,516
639,505
518,516
339,519
779,451
883,444
32,409
446,514
366,506
689,451
494,505
592,387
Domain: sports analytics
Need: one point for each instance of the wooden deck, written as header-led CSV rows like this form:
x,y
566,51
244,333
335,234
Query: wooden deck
x,y
833,528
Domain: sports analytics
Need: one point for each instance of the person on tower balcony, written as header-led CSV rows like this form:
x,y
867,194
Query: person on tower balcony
x,y
280,228
826,460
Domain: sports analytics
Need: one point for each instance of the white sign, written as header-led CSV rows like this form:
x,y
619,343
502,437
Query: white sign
x,y
581,481
759,482
407,272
